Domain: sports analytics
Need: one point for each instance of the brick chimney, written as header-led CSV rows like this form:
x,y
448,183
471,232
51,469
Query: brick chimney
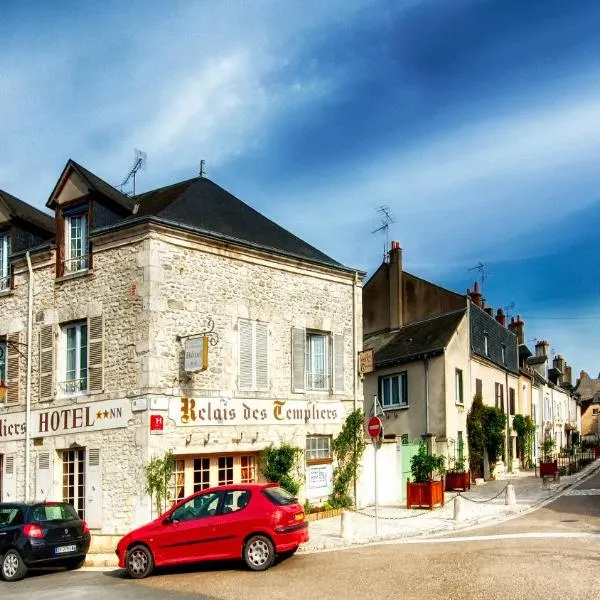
x,y
489,310
500,317
518,328
541,348
568,375
559,363
475,295
395,279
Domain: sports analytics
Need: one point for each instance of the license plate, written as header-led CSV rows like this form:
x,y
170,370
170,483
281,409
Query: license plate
x,y
65,549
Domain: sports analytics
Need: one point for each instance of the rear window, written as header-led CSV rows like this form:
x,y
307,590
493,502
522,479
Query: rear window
x,y
277,495
53,512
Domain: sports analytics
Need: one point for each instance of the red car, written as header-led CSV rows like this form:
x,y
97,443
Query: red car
x,y
254,522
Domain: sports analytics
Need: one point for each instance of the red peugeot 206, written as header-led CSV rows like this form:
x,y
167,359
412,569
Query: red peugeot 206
x,y
255,522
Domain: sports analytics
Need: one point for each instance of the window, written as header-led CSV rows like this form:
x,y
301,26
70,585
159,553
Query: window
x,y
76,243
198,507
176,485
74,479
75,345
503,354
318,448
201,474
248,465
235,500
4,262
500,396
317,361
458,386
279,496
486,348
253,358
10,516
511,400
478,387
393,391
225,470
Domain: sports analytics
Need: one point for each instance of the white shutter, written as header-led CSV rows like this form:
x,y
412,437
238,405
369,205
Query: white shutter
x,y
47,362
9,483
95,355
93,488
245,360
261,362
298,360
44,476
338,364
13,368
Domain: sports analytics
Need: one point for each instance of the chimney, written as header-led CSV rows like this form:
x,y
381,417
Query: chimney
x,y
517,327
475,295
568,375
559,363
500,317
541,348
489,310
395,281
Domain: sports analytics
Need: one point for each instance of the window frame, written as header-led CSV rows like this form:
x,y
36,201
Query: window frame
x,y
402,391
318,455
486,344
5,250
78,366
310,359
459,396
83,254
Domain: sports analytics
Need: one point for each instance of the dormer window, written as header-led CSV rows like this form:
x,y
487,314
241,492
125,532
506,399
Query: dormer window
x,y
4,262
76,243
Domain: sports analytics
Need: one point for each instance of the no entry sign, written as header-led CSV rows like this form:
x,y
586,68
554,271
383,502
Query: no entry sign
x,y
374,427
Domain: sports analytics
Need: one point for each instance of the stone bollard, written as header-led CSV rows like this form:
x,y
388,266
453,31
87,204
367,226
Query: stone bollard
x,y
458,508
346,523
510,498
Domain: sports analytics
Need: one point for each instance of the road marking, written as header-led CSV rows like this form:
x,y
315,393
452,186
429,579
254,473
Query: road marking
x,y
578,492
503,536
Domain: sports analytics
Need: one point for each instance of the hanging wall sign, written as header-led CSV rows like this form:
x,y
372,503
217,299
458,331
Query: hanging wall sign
x,y
196,354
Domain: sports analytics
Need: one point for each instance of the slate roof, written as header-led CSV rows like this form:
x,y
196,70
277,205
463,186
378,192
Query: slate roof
x,y
19,209
201,205
410,342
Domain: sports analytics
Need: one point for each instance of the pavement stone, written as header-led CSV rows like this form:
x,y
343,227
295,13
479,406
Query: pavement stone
x,y
482,504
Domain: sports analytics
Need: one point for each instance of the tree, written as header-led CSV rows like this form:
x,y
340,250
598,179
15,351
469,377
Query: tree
x,y
158,475
280,465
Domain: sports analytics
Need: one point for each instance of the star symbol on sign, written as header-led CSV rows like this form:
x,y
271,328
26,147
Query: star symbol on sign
x,y
99,415
106,414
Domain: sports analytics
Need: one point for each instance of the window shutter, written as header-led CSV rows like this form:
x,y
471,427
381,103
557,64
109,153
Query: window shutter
x,y
13,368
9,484
246,362
43,476
338,364
298,360
261,355
93,489
95,355
47,362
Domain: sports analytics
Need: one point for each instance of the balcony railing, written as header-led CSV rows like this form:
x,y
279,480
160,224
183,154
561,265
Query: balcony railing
x,y
317,381
73,386
77,264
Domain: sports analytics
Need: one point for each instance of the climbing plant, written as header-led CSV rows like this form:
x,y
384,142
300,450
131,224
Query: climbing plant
x,y
525,428
280,465
348,448
494,428
158,475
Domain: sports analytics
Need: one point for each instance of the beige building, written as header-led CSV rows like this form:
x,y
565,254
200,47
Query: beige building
x,y
587,391
180,319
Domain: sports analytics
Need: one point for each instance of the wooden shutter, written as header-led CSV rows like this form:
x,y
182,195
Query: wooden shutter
x,y
338,364
43,476
261,362
13,368
298,360
93,488
478,386
95,355
47,362
9,483
245,361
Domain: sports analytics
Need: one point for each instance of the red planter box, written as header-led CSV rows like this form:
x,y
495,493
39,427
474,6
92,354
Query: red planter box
x,y
458,480
548,469
597,452
424,494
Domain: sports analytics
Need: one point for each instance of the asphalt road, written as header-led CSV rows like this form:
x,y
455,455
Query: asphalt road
x,y
551,553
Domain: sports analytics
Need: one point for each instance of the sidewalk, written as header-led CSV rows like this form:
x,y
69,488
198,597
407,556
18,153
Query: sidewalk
x,y
396,523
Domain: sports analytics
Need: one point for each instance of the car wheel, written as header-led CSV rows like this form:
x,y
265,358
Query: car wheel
x,y
259,553
75,563
140,562
13,567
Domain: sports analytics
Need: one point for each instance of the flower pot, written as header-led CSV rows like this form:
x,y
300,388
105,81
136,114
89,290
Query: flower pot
x,y
424,494
548,468
458,480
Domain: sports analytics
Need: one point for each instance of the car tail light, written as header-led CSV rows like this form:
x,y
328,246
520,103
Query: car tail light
x,y
85,527
33,531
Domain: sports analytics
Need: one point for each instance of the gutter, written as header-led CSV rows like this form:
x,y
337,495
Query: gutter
x,y
28,382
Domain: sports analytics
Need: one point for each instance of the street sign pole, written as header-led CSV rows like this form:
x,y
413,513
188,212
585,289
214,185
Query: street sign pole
x,y
376,499
375,429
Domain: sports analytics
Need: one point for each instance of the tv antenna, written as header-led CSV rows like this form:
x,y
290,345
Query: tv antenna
x,y
385,214
138,164
481,269
508,309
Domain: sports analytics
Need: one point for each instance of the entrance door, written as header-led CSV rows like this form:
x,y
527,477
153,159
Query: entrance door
x,y
408,450
74,479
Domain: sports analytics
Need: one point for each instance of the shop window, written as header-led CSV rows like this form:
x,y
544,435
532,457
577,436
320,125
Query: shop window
x,y
201,474
248,466
225,470
177,483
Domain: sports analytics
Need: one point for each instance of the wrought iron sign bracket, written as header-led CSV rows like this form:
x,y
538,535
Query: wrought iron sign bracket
x,y
209,332
14,346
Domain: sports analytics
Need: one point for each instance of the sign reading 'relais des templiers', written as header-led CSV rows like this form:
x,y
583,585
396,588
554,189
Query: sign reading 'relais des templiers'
x,y
73,418
235,411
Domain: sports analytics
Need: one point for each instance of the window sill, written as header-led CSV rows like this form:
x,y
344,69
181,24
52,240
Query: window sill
x,y
461,404
398,407
6,292
318,461
77,275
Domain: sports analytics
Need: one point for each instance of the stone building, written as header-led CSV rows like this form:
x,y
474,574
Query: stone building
x,y
587,391
180,319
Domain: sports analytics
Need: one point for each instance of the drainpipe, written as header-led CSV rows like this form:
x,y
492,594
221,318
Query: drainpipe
x,y
426,365
355,368
508,425
28,382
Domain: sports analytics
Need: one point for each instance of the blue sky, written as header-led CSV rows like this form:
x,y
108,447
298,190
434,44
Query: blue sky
x,y
476,121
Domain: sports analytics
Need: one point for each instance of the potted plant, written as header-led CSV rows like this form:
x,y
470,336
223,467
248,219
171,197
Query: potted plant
x,y
458,478
427,488
548,467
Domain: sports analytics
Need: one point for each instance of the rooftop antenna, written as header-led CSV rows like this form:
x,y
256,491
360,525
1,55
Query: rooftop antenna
x,y
138,164
480,267
202,171
385,214
508,310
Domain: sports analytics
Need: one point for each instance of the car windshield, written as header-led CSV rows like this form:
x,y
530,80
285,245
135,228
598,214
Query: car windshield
x,y
279,496
53,512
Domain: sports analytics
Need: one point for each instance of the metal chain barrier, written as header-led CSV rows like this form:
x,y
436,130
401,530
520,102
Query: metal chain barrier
x,y
461,494
365,514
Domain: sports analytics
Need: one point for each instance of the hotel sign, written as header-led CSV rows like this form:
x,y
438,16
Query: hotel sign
x,y
196,354
71,418
236,411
